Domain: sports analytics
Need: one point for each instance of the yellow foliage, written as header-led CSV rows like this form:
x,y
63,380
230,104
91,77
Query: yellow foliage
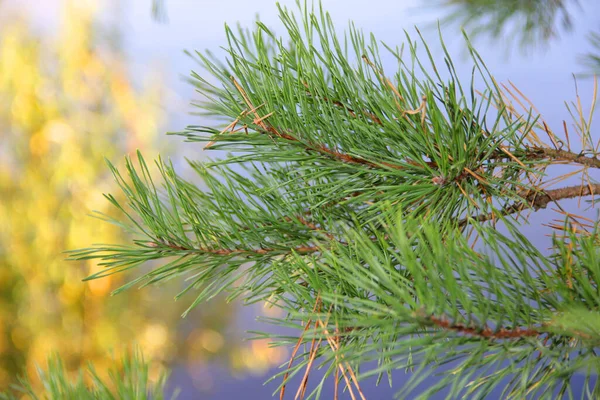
x,y
64,106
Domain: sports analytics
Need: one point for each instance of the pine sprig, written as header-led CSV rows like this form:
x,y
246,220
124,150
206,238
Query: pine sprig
x,y
348,198
425,300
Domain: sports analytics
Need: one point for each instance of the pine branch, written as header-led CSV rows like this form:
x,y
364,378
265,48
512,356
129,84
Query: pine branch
x,y
486,332
537,200
266,128
236,252
342,191
563,155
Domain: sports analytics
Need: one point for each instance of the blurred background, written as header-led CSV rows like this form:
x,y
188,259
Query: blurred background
x,y
85,80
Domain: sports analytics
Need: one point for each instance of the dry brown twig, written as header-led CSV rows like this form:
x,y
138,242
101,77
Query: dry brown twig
x,y
296,347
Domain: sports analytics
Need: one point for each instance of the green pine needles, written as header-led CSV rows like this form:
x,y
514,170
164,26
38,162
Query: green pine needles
x,y
128,380
382,213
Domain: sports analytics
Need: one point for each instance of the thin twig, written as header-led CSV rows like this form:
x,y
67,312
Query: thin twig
x,y
298,343
537,200
335,347
486,332
230,252
544,152
314,348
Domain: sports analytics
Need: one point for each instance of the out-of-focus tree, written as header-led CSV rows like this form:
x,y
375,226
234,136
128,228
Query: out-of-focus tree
x,y
592,59
158,10
529,22
66,104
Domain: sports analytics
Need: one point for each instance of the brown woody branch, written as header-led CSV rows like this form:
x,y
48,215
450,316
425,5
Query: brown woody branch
x,y
238,252
563,155
535,201
269,129
265,127
537,153
346,158
538,200
486,332
499,333
534,154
